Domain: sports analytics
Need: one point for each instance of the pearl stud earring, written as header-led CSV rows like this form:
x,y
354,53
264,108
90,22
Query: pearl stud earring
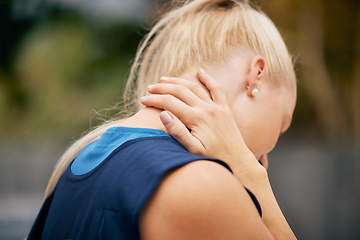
x,y
255,92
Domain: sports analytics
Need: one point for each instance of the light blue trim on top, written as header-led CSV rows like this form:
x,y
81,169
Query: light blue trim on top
x,y
96,152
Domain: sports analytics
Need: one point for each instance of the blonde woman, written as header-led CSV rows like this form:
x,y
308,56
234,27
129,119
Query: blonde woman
x,y
129,179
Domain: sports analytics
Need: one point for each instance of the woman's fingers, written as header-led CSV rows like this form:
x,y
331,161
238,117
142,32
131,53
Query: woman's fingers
x,y
178,119
169,103
216,92
209,91
197,88
179,91
180,132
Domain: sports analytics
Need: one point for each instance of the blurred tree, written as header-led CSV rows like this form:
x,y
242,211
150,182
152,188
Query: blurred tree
x,y
325,36
356,77
10,38
317,81
66,65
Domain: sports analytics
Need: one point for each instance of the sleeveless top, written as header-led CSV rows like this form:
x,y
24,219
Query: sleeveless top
x,y
102,193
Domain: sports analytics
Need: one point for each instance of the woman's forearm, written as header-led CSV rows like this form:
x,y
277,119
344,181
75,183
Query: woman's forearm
x,y
258,182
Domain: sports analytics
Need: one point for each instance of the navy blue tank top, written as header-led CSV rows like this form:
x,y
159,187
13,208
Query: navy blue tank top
x,y
103,199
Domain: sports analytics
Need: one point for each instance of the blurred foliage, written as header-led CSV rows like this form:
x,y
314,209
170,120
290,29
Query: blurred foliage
x,y
325,36
55,69
63,68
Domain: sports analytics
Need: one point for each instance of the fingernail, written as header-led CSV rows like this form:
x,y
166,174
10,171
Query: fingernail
x,y
165,118
202,70
165,78
143,98
150,87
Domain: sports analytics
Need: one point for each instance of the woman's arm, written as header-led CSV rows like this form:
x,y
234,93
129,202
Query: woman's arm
x,y
213,133
201,200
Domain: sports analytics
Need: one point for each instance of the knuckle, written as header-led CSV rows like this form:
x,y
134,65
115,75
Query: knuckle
x,y
166,88
197,114
212,110
176,132
175,89
182,88
168,98
192,86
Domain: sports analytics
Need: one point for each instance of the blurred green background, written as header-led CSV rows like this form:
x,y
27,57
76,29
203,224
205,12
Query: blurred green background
x,y
63,65
60,64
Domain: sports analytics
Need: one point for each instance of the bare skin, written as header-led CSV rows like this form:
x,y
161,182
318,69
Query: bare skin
x,y
203,200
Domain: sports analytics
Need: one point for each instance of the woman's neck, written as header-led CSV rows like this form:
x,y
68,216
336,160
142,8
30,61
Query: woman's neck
x,y
147,117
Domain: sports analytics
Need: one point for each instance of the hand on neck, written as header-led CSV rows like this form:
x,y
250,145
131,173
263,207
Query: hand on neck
x,y
149,117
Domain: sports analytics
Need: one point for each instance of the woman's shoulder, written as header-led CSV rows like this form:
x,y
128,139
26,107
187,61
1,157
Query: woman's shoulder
x,y
160,154
201,200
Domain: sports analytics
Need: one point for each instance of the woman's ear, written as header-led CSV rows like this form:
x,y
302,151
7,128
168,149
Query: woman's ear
x,y
255,76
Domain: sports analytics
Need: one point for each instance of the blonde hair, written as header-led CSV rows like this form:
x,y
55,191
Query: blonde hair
x,y
193,33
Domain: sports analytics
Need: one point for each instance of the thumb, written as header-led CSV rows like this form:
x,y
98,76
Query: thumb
x,y
180,132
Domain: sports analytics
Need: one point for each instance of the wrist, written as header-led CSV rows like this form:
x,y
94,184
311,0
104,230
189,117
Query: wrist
x,y
257,181
247,168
